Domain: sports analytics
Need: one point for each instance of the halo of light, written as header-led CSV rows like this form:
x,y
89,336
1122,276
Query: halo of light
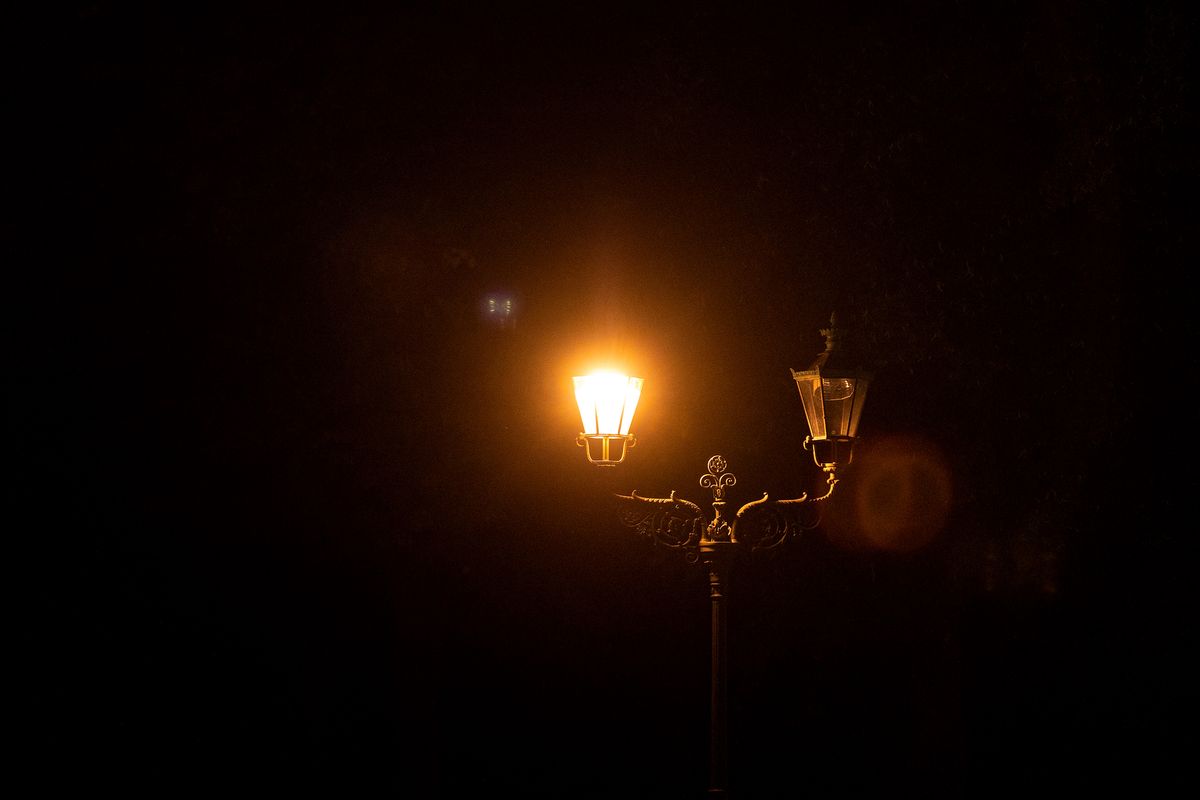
x,y
901,494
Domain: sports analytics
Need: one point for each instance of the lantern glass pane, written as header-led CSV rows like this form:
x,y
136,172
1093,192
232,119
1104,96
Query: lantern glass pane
x,y
586,401
633,393
843,397
860,399
839,398
813,400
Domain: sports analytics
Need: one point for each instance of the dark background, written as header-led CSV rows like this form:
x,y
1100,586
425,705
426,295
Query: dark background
x,y
306,522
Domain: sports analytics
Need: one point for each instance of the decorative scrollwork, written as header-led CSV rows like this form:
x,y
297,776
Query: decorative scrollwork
x,y
668,521
679,524
766,524
717,478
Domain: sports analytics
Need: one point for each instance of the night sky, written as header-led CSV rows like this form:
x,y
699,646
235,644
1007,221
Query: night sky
x,y
308,522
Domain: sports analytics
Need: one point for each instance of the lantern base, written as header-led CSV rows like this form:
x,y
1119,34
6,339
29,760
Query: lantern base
x,y
831,452
605,450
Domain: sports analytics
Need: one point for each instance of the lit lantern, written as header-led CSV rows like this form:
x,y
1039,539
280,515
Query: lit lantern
x,y
607,401
833,391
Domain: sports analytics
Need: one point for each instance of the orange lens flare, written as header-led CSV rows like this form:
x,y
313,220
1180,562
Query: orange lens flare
x,y
900,497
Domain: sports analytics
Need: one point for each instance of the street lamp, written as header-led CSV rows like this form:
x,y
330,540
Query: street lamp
x,y
606,404
832,392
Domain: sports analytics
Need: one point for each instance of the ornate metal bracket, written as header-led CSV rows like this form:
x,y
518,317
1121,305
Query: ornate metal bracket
x,y
604,449
762,524
829,468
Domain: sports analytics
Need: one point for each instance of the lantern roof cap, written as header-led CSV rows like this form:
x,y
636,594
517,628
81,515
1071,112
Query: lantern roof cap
x,y
839,353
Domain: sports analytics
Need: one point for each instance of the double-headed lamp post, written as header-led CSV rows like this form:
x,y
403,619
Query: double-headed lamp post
x,y
832,391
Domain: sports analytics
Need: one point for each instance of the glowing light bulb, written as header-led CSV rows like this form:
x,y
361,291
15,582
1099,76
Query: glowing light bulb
x,y
607,401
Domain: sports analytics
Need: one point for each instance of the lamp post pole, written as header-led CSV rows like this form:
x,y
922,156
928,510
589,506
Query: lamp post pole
x,y
679,524
716,560
832,395
715,552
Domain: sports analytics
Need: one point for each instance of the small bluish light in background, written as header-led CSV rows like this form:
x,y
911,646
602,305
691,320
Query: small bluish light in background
x,y
499,309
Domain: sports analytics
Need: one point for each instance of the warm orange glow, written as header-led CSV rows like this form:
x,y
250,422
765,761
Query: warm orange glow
x,y
607,401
